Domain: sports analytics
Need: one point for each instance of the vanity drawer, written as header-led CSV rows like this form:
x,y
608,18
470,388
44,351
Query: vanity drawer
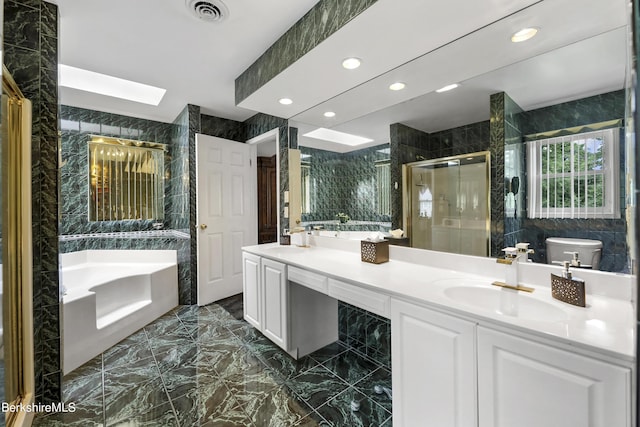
x,y
363,298
314,281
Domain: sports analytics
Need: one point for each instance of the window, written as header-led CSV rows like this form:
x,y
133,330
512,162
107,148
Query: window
x,y
383,182
425,203
126,179
574,176
305,170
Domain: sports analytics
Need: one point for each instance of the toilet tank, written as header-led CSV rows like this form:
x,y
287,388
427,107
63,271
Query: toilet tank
x,y
589,251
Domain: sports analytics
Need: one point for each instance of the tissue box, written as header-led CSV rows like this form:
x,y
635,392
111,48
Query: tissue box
x,y
374,252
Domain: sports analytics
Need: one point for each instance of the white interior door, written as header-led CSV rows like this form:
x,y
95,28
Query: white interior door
x,y
227,214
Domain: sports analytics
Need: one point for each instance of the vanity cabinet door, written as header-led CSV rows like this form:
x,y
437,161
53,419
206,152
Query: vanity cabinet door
x,y
251,289
527,384
275,291
434,368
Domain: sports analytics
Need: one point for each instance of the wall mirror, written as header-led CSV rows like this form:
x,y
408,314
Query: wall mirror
x,y
126,179
558,80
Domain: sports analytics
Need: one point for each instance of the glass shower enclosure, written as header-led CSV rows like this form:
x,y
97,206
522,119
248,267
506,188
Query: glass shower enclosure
x,y
447,204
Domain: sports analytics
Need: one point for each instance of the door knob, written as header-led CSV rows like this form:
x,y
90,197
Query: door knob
x,y
203,226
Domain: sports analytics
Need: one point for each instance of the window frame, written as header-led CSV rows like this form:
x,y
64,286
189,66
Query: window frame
x,y
610,173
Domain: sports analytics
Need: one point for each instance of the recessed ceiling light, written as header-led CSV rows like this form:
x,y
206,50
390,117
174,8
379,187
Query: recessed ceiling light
x,y
397,86
102,84
351,63
329,114
337,137
448,87
285,101
524,34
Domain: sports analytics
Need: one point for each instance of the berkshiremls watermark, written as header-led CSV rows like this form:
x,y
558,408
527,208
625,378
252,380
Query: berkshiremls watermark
x,y
39,407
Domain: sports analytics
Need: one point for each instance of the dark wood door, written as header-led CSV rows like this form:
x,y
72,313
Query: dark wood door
x,y
267,206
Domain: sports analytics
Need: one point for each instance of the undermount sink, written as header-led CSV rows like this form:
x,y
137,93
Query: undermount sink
x,y
506,302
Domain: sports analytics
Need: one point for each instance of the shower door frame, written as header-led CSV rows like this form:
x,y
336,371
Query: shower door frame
x,y
17,250
407,181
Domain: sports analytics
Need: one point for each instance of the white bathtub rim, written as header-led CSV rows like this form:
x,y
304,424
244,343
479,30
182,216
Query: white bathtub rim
x,y
118,256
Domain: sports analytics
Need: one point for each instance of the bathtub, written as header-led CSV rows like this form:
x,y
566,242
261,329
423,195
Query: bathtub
x,y
109,294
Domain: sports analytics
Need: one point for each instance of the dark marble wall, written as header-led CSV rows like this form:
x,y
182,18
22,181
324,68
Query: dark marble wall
x,y
77,125
497,138
514,171
366,332
31,54
406,145
612,232
325,18
593,109
223,128
190,120
345,182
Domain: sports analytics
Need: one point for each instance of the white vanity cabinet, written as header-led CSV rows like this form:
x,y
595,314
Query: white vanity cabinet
x,y
528,384
265,297
449,371
290,308
434,368
251,287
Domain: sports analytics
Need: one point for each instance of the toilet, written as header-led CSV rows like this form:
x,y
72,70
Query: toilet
x,y
589,251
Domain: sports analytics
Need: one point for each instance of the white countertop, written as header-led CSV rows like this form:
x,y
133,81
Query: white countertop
x,y
606,325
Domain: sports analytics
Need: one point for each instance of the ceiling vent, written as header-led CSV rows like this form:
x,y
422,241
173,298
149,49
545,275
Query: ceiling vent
x,y
208,10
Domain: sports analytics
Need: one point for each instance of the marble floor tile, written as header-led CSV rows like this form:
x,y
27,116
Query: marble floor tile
x,y
212,333
277,408
251,388
128,401
126,353
328,352
206,366
316,386
350,366
238,361
81,384
215,352
199,379
380,377
339,413
169,357
162,415
79,418
216,408
285,365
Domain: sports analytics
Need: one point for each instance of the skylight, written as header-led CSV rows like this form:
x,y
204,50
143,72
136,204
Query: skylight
x,y
102,84
337,137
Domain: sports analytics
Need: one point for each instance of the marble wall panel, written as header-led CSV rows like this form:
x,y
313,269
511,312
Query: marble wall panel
x,y
345,182
365,332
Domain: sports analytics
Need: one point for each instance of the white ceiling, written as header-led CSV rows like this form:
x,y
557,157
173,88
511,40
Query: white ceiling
x,y
580,51
158,42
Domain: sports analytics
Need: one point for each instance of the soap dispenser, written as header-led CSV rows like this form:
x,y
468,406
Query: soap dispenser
x,y
567,288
